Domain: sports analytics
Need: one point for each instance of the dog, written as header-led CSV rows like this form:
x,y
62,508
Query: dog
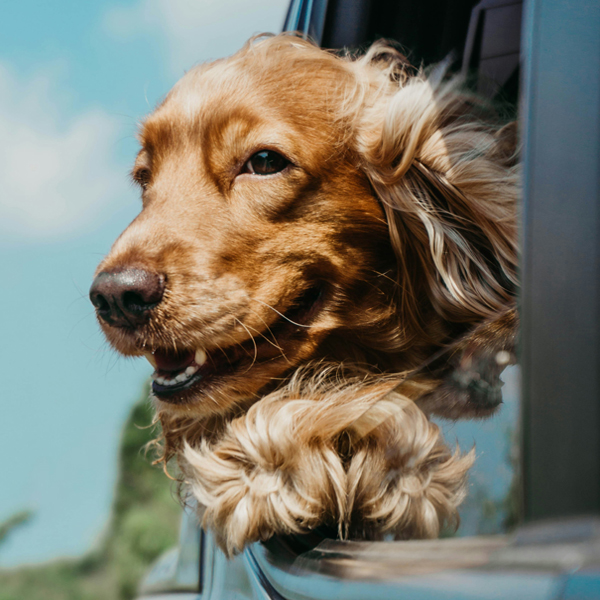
x,y
326,256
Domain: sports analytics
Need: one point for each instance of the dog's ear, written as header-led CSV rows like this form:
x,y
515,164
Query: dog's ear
x,y
448,184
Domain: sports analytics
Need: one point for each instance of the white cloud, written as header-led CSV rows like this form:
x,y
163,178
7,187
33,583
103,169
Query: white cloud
x,y
56,171
198,30
57,174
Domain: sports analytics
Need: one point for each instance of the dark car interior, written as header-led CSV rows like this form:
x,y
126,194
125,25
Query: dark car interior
x,y
482,39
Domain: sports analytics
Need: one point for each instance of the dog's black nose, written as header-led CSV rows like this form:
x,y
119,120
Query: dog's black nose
x,y
125,298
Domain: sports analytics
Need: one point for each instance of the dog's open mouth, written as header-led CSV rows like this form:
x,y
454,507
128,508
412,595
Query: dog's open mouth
x,y
179,372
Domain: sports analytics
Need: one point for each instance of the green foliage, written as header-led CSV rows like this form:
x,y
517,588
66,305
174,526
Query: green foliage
x,y
144,523
14,521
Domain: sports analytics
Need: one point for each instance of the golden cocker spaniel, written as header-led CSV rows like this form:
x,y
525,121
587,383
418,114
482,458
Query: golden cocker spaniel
x,y
326,256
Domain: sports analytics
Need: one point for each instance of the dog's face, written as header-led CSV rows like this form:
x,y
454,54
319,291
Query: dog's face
x,y
259,235
300,206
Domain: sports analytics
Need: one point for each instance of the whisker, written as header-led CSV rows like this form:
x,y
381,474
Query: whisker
x,y
220,349
253,342
281,314
79,321
273,343
211,397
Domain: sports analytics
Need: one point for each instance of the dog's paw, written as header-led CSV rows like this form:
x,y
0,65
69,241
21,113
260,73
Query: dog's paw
x,y
470,384
347,459
267,475
402,477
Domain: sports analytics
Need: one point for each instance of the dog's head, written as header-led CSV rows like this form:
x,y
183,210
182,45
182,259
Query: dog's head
x,y
298,205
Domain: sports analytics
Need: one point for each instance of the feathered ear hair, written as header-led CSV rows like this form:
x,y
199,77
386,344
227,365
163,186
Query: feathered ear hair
x,y
448,184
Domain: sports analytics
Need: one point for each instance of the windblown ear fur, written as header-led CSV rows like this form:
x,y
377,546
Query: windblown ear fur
x,y
355,456
448,184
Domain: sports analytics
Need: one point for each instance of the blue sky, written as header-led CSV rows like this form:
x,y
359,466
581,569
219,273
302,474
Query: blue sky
x,y
75,77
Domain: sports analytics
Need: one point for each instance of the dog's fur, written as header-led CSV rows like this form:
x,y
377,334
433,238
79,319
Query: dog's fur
x,y
390,236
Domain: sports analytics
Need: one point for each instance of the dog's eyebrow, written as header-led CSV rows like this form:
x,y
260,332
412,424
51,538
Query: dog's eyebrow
x,y
142,159
158,132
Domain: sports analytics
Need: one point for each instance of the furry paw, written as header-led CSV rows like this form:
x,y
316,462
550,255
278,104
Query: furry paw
x,y
270,473
470,382
345,458
402,477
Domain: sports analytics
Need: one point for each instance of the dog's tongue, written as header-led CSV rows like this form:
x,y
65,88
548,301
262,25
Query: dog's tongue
x,y
173,361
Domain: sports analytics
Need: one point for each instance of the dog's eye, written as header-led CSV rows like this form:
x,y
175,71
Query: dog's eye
x,y
142,177
265,162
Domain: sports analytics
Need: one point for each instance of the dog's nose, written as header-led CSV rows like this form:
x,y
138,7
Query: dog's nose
x,y
125,298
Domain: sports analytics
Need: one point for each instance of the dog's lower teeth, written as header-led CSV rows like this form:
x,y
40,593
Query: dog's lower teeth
x,y
187,374
183,376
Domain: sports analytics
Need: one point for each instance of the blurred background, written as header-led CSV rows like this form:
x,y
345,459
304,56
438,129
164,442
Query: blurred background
x,y
82,512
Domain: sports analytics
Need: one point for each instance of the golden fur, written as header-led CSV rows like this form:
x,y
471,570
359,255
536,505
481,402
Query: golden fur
x,y
388,237
315,452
